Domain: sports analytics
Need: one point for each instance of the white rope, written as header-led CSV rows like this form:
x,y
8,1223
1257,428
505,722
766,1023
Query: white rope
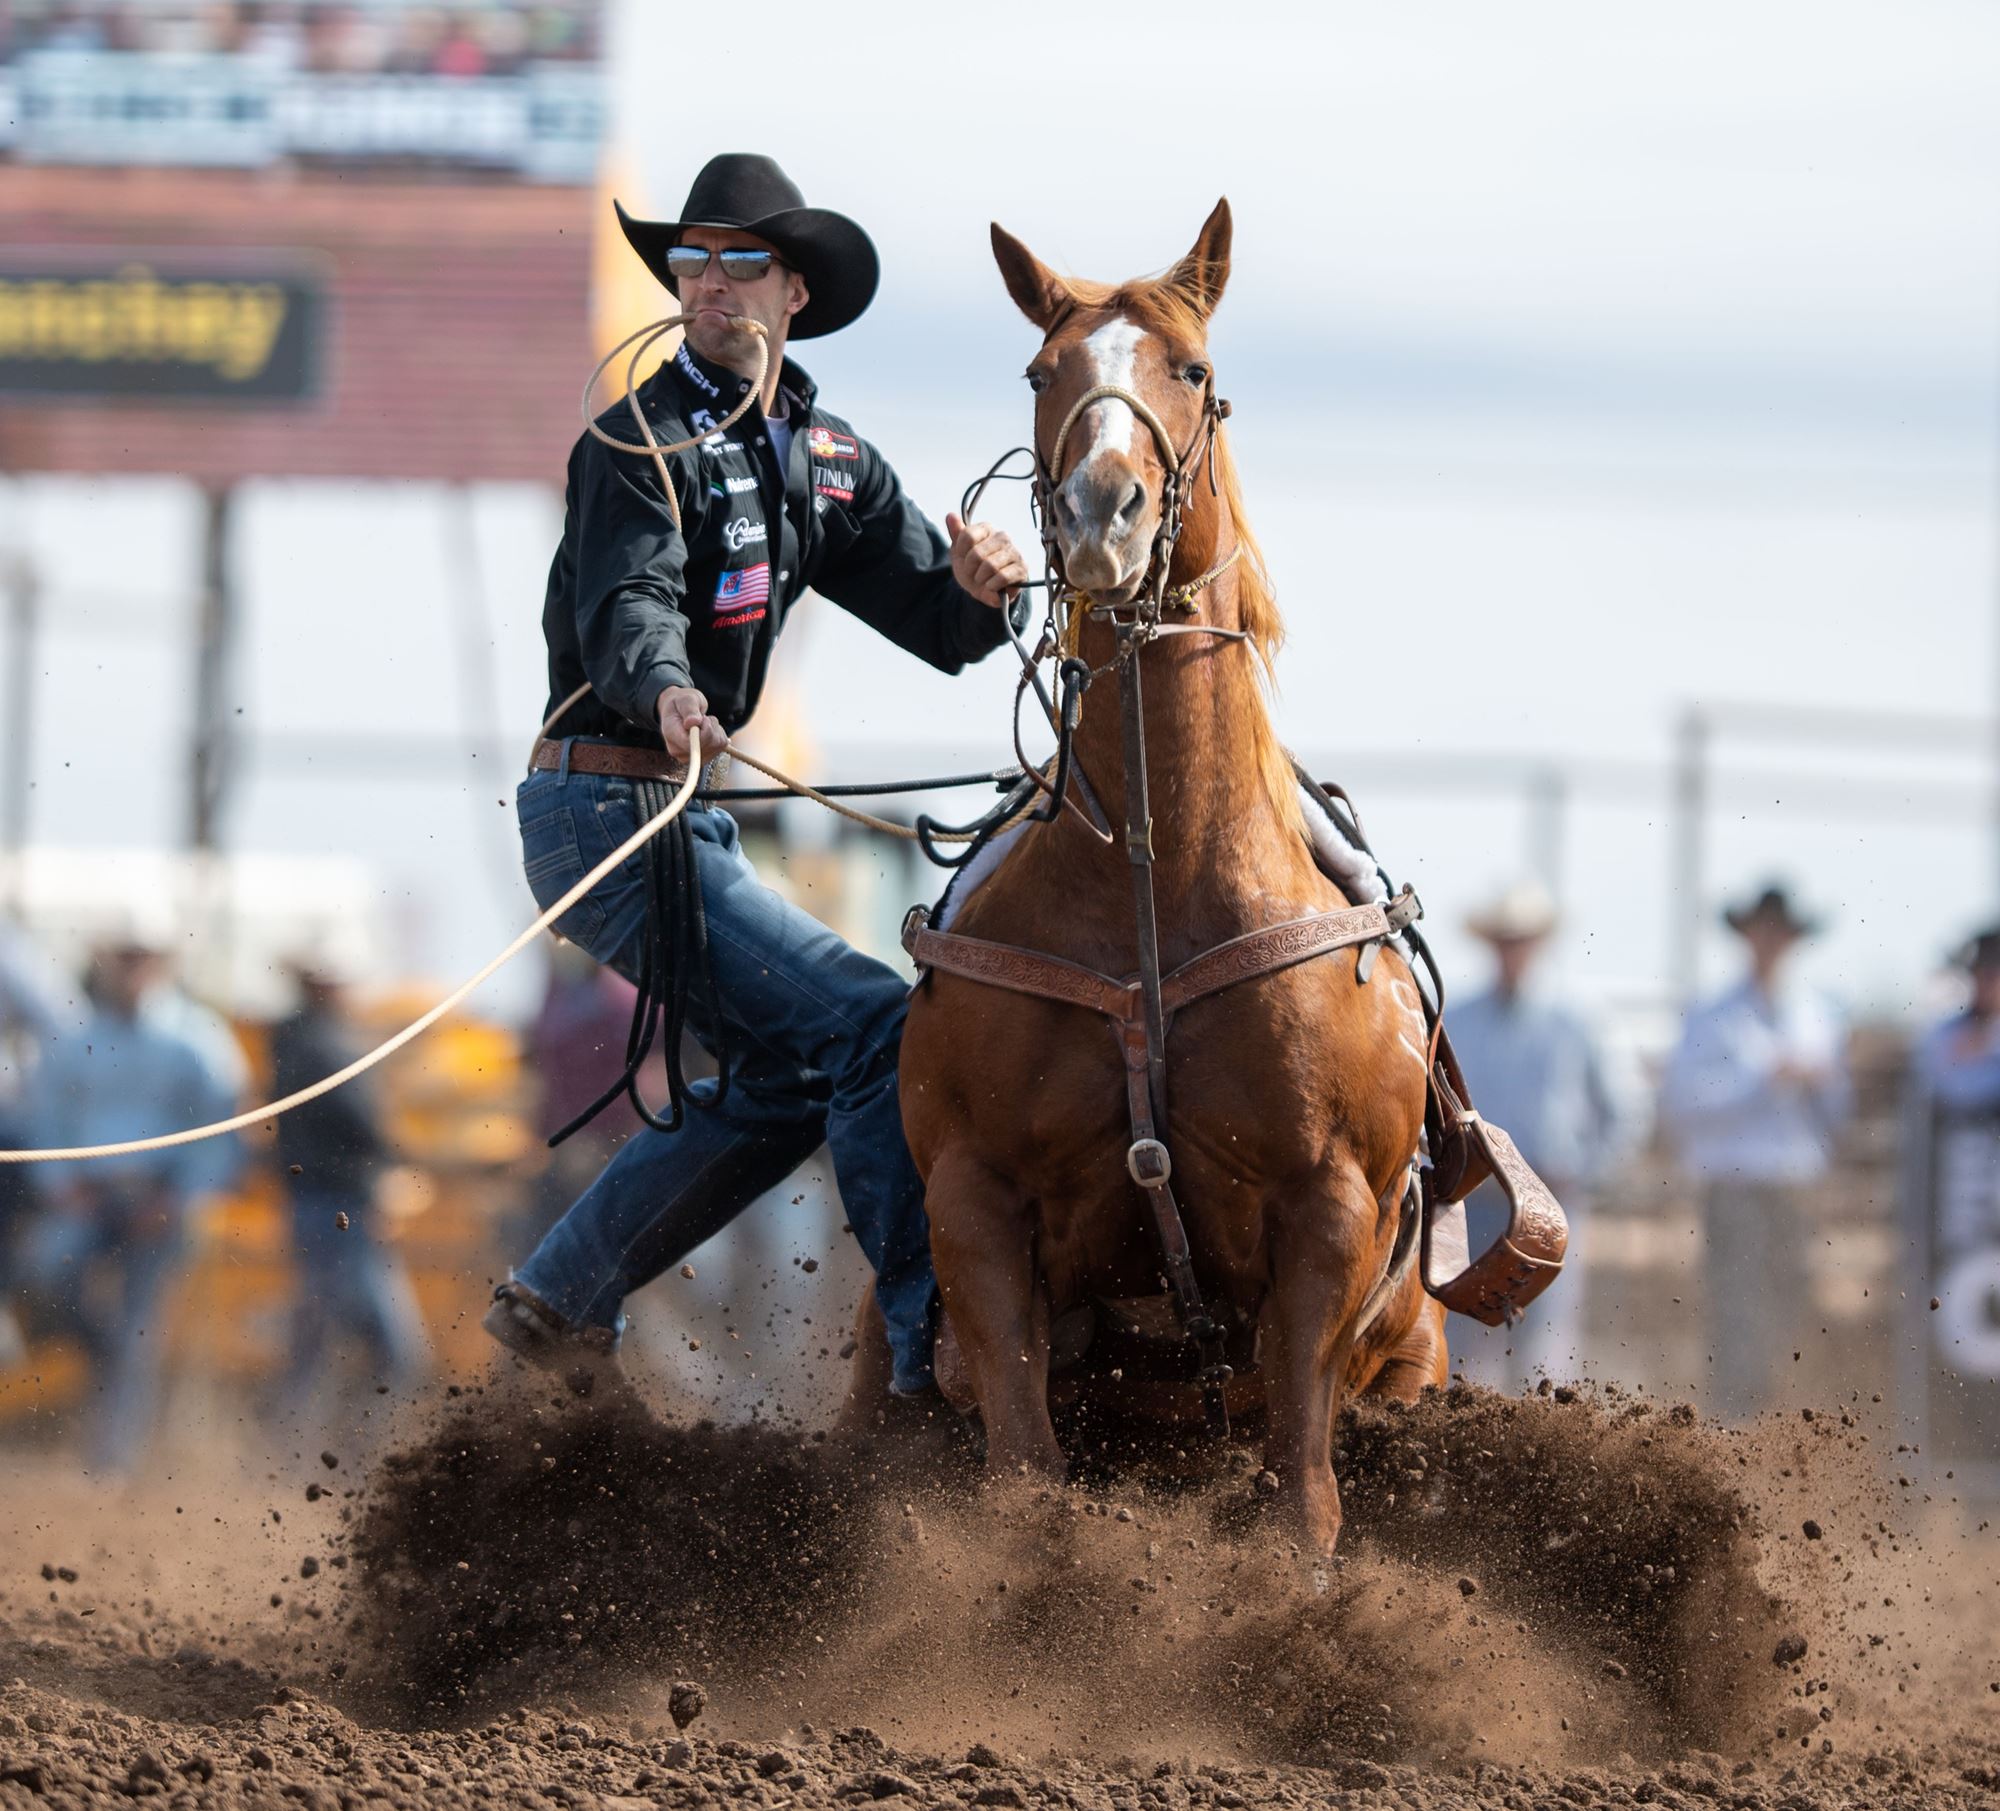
x,y
133,1147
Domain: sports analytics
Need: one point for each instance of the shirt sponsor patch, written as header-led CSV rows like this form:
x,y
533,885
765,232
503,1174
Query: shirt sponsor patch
x,y
825,444
833,483
740,532
737,486
692,372
740,597
704,424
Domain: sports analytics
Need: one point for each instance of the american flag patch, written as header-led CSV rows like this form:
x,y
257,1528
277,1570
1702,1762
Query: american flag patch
x,y
739,592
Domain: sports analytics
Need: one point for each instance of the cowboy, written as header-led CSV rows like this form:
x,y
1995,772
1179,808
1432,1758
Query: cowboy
x,y
1957,1062
1536,1067
28,1018
672,626
1752,1098
140,1058
332,1154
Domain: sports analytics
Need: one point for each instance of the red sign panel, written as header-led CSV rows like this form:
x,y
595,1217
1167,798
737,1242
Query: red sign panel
x,y
445,326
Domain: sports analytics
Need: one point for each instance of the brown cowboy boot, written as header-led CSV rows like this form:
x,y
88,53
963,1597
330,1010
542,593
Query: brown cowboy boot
x,y
537,1335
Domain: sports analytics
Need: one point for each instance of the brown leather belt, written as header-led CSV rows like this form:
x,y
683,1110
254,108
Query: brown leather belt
x,y
609,757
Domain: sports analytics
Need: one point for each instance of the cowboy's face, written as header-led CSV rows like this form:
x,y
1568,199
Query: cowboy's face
x,y
714,297
1770,939
126,973
1513,957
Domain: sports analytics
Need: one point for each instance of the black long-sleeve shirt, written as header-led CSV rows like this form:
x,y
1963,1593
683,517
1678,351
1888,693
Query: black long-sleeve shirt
x,y
635,605
337,1140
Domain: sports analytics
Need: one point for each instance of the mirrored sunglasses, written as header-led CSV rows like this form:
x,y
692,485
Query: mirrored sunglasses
x,y
744,266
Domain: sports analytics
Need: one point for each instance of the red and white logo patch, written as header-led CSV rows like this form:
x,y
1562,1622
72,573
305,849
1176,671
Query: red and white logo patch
x,y
823,443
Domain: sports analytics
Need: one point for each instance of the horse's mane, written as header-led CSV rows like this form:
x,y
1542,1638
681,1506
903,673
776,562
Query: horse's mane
x,y
1257,610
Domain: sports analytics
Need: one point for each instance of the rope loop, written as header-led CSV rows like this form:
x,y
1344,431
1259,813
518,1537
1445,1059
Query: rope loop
x,y
646,337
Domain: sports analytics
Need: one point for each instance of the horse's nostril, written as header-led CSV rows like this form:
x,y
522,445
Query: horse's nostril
x,y
1135,500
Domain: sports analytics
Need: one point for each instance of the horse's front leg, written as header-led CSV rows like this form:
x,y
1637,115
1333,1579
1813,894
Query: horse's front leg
x,y
1322,1242
983,1243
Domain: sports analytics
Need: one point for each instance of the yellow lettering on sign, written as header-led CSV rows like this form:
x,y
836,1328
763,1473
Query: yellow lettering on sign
x,y
259,313
230,328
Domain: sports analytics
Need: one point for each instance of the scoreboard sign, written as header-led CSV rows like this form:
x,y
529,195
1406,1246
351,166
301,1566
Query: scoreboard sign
x,y
319,239
1951,1387
143,329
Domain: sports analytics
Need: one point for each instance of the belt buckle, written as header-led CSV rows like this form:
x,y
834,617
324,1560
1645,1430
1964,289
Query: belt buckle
x,y
1149,1163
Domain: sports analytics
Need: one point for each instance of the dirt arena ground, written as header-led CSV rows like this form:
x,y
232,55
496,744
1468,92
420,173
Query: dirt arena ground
x,y
1570,1599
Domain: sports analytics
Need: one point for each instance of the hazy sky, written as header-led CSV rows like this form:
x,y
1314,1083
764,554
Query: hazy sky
x,y
1587,362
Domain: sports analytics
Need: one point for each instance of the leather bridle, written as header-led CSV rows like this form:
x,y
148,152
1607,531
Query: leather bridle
x,y
1155,598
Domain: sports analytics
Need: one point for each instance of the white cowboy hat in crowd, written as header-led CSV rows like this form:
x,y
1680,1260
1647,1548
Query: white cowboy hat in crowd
x,y
1516,914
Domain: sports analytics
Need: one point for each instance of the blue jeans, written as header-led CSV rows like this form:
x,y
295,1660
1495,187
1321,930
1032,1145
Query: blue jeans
x,y
349,1283
813,1028
116,1314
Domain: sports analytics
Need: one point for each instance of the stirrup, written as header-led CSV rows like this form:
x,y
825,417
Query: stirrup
x,y
1518,1265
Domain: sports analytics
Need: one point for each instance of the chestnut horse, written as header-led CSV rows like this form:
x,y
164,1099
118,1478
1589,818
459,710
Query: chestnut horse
x,y
1297,1095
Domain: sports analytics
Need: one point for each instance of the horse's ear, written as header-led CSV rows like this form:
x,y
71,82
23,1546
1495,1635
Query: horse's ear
x,y
1038,292
1203,273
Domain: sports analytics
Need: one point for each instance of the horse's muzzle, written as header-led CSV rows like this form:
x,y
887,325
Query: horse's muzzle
x,y
1104,520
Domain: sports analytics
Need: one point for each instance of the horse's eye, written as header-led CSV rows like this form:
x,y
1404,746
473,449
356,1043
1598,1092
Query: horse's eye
x,y
1196,374
1038,381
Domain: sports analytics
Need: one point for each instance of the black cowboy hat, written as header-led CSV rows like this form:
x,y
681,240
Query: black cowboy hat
x,y
1980,950
750,194
1772,906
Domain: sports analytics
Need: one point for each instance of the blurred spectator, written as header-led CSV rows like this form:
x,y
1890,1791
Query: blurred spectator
x,y
503,36
1957,1063
1752,1098
27,1022
1534,1067
420,33
332,1152
100,1256
462,52
275,35
575,1048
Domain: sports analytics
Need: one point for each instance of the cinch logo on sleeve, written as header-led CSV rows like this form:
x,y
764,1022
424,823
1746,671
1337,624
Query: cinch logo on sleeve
x,y
740,597
692,372
823,443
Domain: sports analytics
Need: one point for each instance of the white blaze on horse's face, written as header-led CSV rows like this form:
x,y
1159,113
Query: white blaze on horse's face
x,y
1106,512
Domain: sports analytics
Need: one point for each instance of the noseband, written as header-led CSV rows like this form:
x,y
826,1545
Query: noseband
x,y
1155,600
